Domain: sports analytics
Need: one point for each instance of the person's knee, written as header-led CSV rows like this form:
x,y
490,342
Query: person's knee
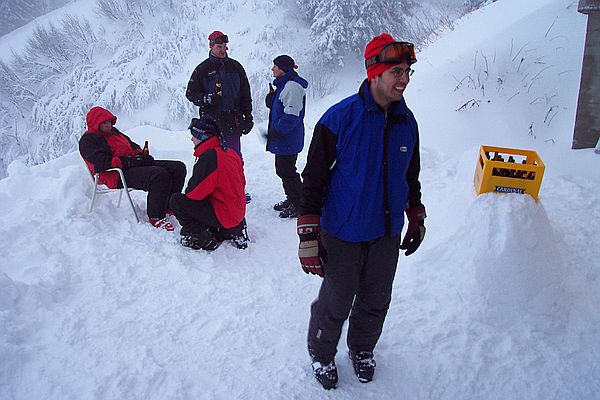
x,y
180,169
175,202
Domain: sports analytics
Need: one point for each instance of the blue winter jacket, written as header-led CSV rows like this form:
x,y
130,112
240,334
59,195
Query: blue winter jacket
x,y
286,118
362,168
231,75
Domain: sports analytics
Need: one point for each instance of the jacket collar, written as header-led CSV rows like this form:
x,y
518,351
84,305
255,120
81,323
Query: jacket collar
x,y
284,78
396,108
211,143
290,76
98,132
216,60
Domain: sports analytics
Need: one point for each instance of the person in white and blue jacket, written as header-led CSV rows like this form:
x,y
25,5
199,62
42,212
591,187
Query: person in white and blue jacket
x,y
285,135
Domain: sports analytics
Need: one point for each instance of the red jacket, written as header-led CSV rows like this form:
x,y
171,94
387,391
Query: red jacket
x,y
219,177
102,151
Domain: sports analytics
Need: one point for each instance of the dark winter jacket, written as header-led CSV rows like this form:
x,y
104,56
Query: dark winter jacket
x,y
218,176
236,101
286,118
102,151
362,168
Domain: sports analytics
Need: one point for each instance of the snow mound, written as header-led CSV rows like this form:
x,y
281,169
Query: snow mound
x,y
516,266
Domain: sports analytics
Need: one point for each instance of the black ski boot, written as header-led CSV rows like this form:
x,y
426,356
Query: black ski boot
x,y
204,240
281,205
326,374
238,235
364,365
289,212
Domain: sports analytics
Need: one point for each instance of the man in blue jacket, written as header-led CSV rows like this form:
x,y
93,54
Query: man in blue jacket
x,y
220,88
285,137
361,176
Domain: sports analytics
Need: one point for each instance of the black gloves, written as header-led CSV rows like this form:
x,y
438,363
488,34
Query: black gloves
x,y
269,99
137,161
416,229
246,124
272,134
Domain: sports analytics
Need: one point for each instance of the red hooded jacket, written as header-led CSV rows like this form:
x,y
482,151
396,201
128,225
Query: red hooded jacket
x,y
102,151
219,177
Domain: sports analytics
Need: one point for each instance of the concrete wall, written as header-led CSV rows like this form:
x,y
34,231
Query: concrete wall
x,y
587,122
588,6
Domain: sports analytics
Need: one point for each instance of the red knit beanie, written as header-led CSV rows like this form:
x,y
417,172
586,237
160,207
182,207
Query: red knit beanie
x,y
372,49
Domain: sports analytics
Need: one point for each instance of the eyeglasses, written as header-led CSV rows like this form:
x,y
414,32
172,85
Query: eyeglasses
x,y
399,72
220,40
394,53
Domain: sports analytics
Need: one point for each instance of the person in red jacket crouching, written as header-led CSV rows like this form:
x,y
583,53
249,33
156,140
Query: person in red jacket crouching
x,y
103,147
213,207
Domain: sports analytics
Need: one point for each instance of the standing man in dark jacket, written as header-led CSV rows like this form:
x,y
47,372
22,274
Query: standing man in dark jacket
x,y
220,87
285,137
361,176
213,207
103,147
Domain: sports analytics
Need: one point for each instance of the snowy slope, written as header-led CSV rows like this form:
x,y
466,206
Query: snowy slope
x,y
500,302
17,39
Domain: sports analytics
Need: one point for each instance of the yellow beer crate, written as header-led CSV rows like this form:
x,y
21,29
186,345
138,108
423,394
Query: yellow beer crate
x,y
505,170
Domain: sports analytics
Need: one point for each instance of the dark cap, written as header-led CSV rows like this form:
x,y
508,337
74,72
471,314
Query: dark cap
x,y
285,63
204,126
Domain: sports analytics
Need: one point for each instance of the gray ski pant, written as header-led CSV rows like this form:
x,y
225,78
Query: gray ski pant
x,y
358,281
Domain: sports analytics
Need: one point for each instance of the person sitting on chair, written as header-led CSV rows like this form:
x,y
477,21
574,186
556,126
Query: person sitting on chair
x,y
103,147
214,204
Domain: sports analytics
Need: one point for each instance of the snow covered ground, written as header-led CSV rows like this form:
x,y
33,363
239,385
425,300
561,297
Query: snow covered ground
x,y
500,302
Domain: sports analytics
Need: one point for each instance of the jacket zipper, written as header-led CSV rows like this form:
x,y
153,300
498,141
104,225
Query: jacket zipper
x,y
386,201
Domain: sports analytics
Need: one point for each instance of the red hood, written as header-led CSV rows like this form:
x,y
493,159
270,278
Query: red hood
x,y
96,116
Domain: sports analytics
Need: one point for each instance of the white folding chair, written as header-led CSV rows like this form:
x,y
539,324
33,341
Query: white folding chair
x,y
98,188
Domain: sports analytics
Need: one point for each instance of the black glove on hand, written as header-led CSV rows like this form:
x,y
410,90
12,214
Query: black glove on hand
x,y
416,229
212,99
137,161
269,99
272,134
246,124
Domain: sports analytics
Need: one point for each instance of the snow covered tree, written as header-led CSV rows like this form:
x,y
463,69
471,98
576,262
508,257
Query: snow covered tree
x,y
139,54
472,5
341,27
16,13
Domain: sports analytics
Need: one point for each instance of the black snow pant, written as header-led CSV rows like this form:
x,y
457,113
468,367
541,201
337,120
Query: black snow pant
x,y
285,168
358,281
194,216
160,180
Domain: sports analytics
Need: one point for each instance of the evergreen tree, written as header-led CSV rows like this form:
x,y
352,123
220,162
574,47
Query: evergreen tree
x,y
341,27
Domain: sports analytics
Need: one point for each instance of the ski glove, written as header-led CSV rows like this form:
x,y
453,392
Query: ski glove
x,y
416,229
246,124
308,228
137,161
269,99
